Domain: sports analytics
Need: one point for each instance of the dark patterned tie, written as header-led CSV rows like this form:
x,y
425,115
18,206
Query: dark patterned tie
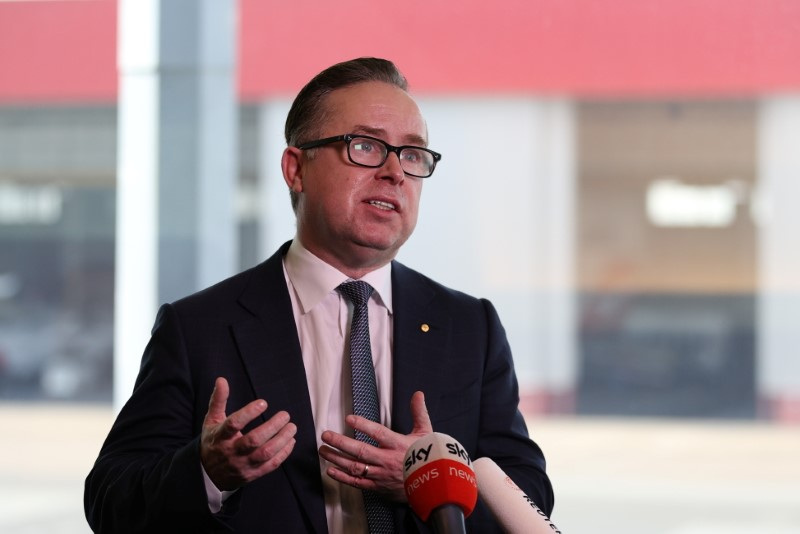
x,y
365,392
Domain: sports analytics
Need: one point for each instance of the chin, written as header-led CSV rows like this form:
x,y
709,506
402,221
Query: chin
x,y
380,246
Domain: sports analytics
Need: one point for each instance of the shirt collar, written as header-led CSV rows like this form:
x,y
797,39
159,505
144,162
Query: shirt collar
x,y
313,279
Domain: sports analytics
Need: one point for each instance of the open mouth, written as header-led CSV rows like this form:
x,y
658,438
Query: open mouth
x,y
388,206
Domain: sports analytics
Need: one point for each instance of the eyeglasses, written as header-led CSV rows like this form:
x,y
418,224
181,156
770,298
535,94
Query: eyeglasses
x,y
372,152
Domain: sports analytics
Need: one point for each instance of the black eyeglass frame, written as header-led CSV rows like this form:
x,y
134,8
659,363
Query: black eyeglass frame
x,y
347,138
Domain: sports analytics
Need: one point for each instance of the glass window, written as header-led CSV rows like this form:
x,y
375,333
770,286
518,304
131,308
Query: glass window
x,y
57,267
666,258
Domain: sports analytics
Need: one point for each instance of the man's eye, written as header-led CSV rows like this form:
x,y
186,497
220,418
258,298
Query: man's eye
x,y
412,155
364,146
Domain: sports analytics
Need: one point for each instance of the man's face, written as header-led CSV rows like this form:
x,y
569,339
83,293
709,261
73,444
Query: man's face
x,y
356,218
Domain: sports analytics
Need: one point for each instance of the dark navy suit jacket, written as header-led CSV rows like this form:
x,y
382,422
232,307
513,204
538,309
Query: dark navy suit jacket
x,y
148,478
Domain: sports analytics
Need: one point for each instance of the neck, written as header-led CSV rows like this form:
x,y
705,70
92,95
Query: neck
x,y
354,266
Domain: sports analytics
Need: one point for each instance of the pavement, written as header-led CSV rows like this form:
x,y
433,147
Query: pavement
x,y
672,476
620,476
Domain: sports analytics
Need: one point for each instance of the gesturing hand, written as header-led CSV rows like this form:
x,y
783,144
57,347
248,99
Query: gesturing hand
x,y
232,459
379,468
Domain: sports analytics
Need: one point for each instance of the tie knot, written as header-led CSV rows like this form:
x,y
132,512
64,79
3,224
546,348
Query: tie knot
x,y
357,292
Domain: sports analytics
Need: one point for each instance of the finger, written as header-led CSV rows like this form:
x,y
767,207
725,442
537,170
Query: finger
x,y
278,458
347,470
346,463
263,433
351,448
239,419
343,476
272,448
382,435
217,402
271,464
419,414
336,457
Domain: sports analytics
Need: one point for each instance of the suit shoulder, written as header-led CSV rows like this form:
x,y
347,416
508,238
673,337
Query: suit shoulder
x,y
404,276
223,291
255,280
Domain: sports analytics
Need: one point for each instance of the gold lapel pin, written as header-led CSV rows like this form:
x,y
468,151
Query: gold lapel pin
x,y
424,327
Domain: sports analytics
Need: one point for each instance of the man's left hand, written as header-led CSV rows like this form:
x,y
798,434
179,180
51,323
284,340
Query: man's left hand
x,y
380,468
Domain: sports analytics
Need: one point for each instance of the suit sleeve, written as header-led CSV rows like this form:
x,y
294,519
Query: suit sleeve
x,y
503,435
148,476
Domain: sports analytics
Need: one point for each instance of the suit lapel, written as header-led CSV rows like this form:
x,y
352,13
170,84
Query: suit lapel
x,y
421,337
270,351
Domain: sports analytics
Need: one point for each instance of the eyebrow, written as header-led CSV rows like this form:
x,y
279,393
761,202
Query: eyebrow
x,y
413,139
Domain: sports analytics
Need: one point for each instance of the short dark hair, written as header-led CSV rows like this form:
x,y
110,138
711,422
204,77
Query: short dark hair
x,y
308,112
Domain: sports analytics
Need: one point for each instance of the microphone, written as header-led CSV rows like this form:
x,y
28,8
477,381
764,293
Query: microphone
x,y
439,482
515,511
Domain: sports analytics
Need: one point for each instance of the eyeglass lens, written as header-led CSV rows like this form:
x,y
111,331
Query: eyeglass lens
x,y
373,153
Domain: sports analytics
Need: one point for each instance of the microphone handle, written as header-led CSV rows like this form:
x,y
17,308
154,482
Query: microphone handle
x,y
448,519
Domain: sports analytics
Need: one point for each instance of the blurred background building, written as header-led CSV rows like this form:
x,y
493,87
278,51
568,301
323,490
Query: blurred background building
x,y
620,178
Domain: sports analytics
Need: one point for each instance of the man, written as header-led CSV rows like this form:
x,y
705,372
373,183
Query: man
x,y
241,417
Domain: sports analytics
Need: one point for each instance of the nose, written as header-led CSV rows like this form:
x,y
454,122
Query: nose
x,y
392,170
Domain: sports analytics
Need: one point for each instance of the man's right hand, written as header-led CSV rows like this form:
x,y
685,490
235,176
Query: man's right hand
x,y
231,458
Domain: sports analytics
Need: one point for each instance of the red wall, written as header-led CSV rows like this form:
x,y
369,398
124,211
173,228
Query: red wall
x,y
66,50
58,51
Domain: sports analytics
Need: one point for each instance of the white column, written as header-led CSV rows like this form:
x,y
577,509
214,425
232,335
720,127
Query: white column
x,y
555,254
176,172
778,333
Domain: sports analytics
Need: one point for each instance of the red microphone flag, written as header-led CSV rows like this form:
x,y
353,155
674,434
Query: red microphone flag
x,y
438,471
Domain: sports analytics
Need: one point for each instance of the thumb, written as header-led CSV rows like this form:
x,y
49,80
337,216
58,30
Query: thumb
x,y
419,414
217,402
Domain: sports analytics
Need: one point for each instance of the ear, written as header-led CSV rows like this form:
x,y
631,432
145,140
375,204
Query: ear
x,y
292,167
